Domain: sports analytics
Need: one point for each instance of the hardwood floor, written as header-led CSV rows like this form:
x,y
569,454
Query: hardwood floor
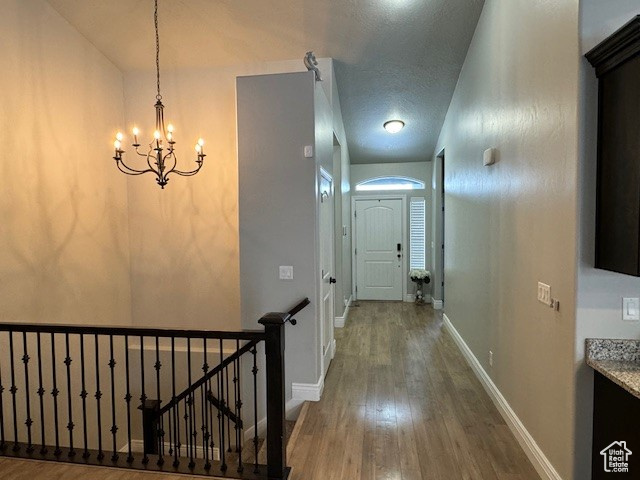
x,y
400,402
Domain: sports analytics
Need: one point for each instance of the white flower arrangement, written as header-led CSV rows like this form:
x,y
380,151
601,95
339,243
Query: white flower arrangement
x,y
420,274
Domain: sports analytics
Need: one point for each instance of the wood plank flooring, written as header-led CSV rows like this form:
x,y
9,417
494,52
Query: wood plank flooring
x,y
400,403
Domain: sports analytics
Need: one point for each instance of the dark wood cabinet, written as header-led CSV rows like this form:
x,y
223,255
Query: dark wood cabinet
x,y
616,431
617,65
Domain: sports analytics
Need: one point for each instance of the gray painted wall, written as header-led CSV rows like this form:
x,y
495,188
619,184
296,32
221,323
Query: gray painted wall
x,y
599,299
513,224
278,204
277,208
341,172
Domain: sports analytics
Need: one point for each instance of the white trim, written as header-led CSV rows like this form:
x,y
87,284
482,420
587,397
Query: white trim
x,y
333,348
137,446
437,304
339,322
319,288
262,428
537,457
354,239
308,391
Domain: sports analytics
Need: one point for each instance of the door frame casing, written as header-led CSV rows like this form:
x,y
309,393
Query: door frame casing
x,y
354,237
322,172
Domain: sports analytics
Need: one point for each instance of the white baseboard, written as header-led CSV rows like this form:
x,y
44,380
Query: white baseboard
x,y
249,432
308,391
540,462
339,322
137,446
333,348
292,408
437,304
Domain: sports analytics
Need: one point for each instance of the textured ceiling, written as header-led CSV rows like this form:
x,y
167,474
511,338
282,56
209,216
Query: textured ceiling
x,y
393,58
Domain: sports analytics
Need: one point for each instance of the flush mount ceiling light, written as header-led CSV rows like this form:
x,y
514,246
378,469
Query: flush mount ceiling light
x,y
161,158
393,126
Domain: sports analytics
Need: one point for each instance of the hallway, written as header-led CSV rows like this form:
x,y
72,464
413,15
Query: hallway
x,y
400,402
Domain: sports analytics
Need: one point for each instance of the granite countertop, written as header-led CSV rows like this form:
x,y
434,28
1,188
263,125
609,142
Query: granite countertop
x,y
618,360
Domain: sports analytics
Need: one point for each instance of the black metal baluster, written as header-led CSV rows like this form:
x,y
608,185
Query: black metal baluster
x,y
174,410
203,428
54,393
187,449
114,426
83,395
41,391
192,431
3,445
228,409
70,425
239,423
143,397
222,443
212,443
235,401
14,391
98,396
127,398
170,422
205,408
28,422
158,366
254,370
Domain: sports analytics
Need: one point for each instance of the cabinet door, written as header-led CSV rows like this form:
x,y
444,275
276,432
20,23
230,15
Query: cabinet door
x,y
618,198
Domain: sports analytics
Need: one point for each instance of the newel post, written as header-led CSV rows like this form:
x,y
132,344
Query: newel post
x,y
274,353
151,424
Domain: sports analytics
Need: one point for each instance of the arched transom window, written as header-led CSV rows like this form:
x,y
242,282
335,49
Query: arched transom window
x,y
389,183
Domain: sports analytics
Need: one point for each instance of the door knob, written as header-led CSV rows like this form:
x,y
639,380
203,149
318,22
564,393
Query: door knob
x,y
332,280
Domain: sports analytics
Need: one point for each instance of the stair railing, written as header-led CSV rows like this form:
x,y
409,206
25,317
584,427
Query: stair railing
x,y
132,397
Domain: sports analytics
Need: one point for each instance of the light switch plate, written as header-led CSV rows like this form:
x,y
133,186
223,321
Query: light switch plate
x,y
286,272
630,309
308,151
544,293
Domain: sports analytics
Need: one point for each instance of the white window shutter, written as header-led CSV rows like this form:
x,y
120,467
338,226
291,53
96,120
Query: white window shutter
x,y
417,233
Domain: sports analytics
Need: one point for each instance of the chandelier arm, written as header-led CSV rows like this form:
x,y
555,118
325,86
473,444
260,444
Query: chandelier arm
x,y
171,154
141,154
187,174
132,171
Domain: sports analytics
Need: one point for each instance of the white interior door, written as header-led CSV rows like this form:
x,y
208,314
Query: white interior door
x,y
379,250
327,266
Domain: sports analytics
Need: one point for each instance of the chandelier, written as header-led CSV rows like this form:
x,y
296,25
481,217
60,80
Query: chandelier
x,y
161,158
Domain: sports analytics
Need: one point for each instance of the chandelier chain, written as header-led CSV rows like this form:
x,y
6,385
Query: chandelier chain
x,y
155,18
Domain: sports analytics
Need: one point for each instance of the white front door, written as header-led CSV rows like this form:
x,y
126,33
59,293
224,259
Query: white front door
x,y
379,249
326,267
